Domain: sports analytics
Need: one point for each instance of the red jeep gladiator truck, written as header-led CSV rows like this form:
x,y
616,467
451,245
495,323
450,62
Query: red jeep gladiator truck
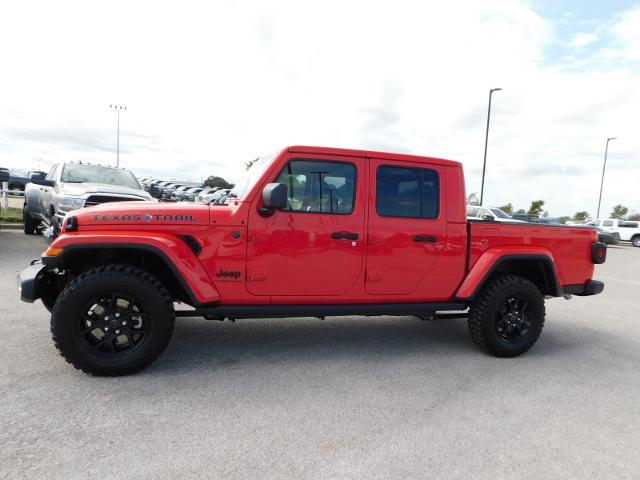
x,y
308,232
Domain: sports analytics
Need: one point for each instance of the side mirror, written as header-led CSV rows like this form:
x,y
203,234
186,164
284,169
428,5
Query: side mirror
x,y
44,183
4,175
487,217
274,197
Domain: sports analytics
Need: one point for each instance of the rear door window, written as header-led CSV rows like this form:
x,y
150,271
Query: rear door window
x,y
407,192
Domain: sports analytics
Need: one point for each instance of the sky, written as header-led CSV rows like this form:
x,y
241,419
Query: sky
x,y
209,85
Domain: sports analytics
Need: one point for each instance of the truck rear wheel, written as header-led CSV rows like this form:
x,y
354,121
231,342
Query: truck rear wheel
x,y
507,316
30,225
635,241
112,320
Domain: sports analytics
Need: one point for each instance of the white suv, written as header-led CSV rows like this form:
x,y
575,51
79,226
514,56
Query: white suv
x,y
629,231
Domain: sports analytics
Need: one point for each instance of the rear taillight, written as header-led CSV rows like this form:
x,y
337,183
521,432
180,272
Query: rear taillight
x,y
598,252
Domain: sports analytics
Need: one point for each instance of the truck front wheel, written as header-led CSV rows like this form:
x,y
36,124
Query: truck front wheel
x,y
30,225
635,241
507,316
112,320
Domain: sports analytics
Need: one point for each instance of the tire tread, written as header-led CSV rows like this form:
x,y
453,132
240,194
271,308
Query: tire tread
x,y
482,303
104,272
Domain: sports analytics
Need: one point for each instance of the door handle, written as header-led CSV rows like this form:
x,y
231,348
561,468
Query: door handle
x,y
344,236
424,238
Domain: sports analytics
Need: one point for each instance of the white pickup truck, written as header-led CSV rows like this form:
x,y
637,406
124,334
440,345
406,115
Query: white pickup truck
x,y
69,186
629,231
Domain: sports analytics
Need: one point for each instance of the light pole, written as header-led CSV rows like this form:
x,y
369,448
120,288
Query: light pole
x,y
604,166
486,141
118,108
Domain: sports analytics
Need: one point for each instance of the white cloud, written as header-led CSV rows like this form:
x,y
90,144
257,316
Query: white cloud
x,y
582,39
209,85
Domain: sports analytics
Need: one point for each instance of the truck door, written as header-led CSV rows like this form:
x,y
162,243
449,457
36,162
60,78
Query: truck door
x,y
316,245
407,225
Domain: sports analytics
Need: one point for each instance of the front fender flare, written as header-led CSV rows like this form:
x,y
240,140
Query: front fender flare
x,y
176,254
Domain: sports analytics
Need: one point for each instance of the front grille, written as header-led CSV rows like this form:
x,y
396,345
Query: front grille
x,y
98,199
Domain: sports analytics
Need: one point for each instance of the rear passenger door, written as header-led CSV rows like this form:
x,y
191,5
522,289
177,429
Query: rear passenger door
x,y
406,227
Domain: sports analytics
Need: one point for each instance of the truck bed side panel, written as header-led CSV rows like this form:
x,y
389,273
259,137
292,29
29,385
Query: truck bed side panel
x,y
570,248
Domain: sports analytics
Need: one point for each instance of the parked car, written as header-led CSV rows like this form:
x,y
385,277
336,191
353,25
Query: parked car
x,y
492,214
70,186
190,194
205,195
526,217
629,231
172,194
18,179
313,232
610,238
220,196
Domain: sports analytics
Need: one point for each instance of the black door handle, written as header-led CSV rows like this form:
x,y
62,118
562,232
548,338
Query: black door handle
x,y
424,238
344,236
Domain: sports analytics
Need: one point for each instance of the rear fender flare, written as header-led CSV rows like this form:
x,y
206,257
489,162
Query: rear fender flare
x,y
492,259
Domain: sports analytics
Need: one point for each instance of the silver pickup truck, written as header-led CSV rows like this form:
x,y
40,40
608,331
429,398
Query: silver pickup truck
x,y
69,186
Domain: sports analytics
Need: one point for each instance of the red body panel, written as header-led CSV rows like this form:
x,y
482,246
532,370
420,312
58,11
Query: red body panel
x,y
290,257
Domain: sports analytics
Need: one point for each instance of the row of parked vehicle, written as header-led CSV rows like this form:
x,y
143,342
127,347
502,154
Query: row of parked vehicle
x,y
179,191
610,230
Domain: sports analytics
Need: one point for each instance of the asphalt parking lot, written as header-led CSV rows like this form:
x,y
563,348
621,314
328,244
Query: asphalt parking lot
x,y
347,398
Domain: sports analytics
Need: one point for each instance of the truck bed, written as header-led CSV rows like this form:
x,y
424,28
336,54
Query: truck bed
x,y
568,247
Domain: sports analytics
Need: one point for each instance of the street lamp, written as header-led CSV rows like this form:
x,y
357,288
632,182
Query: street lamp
x,y
118,108
606,150
486,141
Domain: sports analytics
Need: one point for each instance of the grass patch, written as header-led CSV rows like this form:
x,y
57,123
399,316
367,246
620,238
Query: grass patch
x,y
11,214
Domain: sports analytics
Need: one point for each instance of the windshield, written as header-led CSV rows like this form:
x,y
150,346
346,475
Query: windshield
x,y
77,173
499,213
251,176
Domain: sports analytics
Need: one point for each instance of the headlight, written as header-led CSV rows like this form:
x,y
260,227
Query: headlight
x,y
70,203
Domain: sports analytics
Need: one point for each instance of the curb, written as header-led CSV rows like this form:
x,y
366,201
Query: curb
x,y
10,226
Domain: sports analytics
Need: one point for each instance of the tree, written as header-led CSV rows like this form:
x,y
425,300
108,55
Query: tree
x,y
521,210
619,211
581,216
563,219
634,217
508,208
536,207
212,181
473,199
545,214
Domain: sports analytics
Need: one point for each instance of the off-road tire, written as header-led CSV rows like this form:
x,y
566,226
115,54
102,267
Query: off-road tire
x,y
635,241
484,312
29,223
106,280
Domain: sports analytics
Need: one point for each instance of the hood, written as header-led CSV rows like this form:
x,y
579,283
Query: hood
x,y
84,188
141,213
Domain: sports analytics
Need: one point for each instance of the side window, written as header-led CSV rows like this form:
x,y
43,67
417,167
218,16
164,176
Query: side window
x,y
407,192
607,223
472,212
319,186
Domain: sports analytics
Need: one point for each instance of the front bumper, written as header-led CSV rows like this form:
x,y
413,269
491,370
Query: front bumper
x,y
592,287
28,281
